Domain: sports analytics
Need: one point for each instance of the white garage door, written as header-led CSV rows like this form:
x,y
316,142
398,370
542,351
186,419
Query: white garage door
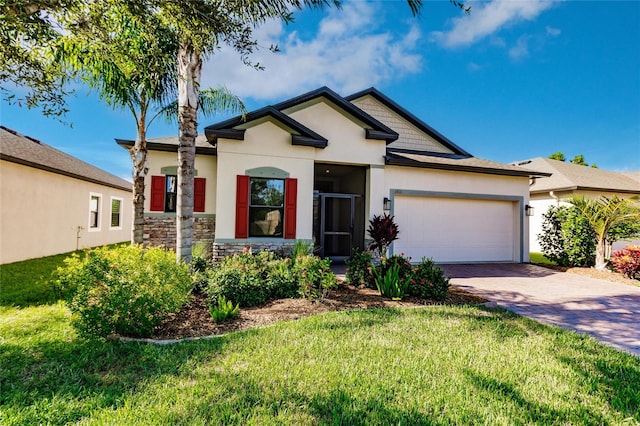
x,y
455,229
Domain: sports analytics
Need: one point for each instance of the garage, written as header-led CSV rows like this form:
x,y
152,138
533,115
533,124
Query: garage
x,y
458,228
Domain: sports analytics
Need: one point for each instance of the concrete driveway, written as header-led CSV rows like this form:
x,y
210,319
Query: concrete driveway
x,y
606,310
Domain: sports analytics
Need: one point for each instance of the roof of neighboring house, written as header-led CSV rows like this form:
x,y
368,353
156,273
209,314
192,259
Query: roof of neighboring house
x,y
389,103
374,129
170,144
568,176
467,164
25,150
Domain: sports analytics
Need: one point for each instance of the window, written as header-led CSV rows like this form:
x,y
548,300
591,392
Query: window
x,y
171,193
116,208
266,207
164,194
94,212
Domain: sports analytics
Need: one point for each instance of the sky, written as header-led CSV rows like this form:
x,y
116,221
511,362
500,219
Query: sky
x,y
510,81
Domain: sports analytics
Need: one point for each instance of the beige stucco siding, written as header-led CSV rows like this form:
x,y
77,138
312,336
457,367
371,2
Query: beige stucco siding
x,y
410,136
40,213
205,166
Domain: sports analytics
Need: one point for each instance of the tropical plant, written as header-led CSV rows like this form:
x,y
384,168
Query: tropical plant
x,y
603,214
223,310
383,231
627,262
389,282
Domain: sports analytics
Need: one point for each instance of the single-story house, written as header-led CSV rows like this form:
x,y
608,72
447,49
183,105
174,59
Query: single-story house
x,y
51,202
568,179
318,166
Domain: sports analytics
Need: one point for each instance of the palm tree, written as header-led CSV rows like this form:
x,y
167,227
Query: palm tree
x,y
603,214
130,61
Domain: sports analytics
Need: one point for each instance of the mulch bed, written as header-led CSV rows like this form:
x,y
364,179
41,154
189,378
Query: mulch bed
x,y
194,319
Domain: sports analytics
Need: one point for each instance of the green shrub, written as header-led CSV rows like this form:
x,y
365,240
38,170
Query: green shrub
x,y
389,282
428,281
281,281
314,276
243,287
126,290
301,248
223,310
627,262
567,238
359,269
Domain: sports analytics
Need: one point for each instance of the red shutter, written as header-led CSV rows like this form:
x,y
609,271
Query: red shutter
x,y
199,185
157,194
242,207
290,204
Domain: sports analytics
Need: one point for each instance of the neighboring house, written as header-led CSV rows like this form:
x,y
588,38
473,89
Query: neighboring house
x,y
51,202
567,180
317,167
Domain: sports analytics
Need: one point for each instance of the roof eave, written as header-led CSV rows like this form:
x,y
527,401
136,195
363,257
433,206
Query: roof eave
x,y
454,167
163,147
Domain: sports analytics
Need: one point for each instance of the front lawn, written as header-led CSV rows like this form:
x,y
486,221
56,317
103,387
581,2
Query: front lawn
x,y
538,258
433,365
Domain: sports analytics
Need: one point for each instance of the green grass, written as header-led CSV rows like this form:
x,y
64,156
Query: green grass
x,y
30,282
433,365
536,257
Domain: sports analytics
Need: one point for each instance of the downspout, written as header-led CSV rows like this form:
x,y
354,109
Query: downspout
x,y
555,197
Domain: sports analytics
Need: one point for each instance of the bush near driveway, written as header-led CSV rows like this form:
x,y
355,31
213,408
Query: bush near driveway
x,y
627,262
126,290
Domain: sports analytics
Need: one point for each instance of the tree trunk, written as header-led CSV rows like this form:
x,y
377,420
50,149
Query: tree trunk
x,y
139,159
600,251
189,70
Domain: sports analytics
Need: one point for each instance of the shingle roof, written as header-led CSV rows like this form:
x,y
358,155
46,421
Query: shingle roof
x,y
470,164
569,176
28,151
170,144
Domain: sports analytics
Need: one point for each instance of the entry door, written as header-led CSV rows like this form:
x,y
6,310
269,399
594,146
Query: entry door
x,y
337,214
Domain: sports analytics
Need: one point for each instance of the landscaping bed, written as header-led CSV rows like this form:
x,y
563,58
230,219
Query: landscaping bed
x,y
593,273
194,320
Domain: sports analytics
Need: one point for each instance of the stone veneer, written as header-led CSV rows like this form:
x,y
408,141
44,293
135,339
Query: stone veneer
x,y
162,231
222,250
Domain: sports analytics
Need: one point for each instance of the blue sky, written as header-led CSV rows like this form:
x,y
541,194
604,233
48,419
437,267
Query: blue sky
x,y
512,80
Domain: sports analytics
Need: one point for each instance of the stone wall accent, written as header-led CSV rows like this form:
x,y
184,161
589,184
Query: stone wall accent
x,y
222,250
162,231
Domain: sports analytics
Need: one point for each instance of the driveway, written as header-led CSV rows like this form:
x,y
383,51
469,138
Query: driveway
x,y
606,310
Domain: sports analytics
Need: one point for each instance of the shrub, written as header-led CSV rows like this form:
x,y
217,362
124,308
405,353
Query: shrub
x,y
281,281
428,281
126,290
201,259
301,248
223,310
567,238
389,282
243,287
402,263
383,231
359,269
314,276
627,262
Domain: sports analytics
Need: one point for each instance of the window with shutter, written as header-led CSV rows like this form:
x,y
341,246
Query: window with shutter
x,y
199,186
242,206
157,194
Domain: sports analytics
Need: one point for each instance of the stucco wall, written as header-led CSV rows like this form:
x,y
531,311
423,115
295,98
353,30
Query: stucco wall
x,y
542,202
40,213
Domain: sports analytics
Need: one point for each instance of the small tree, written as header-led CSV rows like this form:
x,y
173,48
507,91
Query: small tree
x,y
557,156
567,238
550,239
603,214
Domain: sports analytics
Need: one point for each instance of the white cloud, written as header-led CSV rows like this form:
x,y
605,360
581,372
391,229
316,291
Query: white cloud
x,y
521,49
553,32
488,18
350,51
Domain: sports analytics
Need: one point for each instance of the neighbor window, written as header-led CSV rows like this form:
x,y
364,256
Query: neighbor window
x,y
116,208
266,207
171,193
94,212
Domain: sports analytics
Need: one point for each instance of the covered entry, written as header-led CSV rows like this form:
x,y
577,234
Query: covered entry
x,y
338,209
458,227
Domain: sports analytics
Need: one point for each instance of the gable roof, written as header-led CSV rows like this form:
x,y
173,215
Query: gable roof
x,y
170,144
302,135
568,176
25,150
402,112
467,164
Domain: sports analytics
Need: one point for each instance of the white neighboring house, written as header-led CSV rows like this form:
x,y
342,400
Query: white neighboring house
x,y
51,202
318,166
567,180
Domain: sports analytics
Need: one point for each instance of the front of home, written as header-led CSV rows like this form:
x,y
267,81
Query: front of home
x,y
318,166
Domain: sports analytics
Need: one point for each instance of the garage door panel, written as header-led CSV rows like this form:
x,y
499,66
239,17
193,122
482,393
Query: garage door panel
x,y
454,229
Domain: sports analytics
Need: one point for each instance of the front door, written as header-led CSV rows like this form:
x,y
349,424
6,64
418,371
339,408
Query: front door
x,y
337,224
